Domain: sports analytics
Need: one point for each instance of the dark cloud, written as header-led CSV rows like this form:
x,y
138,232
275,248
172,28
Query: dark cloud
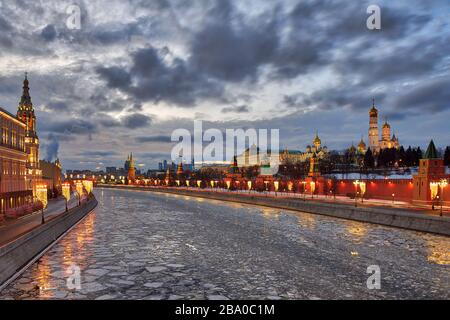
x,y
136,120
431,97
160,138
49,33
236,109
98,154
231,49
70,126
151,78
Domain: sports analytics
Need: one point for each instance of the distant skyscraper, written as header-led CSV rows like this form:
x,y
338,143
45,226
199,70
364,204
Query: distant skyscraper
x,y
165,165
160,166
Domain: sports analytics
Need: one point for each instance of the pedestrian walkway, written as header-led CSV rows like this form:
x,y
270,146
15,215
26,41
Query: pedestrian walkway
x,y
13,229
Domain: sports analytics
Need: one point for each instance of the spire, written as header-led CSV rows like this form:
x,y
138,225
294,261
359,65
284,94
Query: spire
x,y
373,111
431,151
25,101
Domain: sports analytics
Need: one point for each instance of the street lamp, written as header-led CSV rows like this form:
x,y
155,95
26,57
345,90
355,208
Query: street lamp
x,y
66,193
304,190
442,184
356,183
393,198
41,195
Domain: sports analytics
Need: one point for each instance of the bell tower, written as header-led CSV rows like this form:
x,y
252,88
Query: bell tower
x,y
373,128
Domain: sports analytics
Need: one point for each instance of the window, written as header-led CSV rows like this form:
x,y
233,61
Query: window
x,y
5,135
14,139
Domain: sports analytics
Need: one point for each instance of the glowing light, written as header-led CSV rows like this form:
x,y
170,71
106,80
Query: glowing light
x,y
312,185
228,184
79,188
88,185
249,185
66,190
199,183
188,183
276,185
41,194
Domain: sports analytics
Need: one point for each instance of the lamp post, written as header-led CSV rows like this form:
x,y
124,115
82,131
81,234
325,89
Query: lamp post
x,y
393,198
41,195
66,193
356,183
443,183
304,190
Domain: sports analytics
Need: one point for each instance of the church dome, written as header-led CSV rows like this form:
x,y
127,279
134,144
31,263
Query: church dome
x,y
373,111
361,144
317,140
386,125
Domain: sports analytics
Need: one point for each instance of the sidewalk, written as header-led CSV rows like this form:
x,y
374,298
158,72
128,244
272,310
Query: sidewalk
x,y
13,229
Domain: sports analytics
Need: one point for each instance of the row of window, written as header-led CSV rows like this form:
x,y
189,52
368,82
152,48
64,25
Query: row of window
x,y
13,168
11,138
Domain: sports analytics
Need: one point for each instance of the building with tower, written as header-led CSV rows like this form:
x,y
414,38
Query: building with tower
x,y
386,142
25,113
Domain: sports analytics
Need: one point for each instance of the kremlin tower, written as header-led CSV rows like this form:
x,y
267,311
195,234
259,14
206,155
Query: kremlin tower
x,y
25,113
131,169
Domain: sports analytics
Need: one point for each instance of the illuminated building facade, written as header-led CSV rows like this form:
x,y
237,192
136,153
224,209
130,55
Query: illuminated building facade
x,y
51,175
25,113
386,142
314,150
14,189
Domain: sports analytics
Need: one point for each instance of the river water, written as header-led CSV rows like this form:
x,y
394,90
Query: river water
x,y
143,245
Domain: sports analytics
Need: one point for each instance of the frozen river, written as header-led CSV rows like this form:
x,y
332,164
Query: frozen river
x,y
142,245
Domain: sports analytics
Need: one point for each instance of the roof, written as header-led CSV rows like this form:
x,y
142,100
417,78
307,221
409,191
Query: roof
x,y
431,151
10,115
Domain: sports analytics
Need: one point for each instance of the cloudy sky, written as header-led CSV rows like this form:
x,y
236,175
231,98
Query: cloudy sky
x,y
137,70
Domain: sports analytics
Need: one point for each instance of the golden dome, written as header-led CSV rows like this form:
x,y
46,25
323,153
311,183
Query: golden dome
x,y
317,140
362,144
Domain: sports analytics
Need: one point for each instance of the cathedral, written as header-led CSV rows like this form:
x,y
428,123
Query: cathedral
x,y
387,141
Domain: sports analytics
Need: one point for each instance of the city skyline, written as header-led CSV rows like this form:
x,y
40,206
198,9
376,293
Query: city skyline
x,y
96,86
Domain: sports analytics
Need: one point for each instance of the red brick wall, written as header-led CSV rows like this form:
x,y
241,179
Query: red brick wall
x,y
380,189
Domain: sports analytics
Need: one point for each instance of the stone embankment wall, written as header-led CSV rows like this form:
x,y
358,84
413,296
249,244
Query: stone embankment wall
x,y
15,255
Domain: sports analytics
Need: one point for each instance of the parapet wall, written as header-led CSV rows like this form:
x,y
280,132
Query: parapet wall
x,y
15,255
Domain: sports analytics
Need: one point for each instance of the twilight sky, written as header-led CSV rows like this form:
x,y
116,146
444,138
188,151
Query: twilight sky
x,y
137,70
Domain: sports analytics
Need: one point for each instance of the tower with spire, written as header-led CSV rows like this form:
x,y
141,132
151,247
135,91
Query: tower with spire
x,y
131,169
25,113
431,171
